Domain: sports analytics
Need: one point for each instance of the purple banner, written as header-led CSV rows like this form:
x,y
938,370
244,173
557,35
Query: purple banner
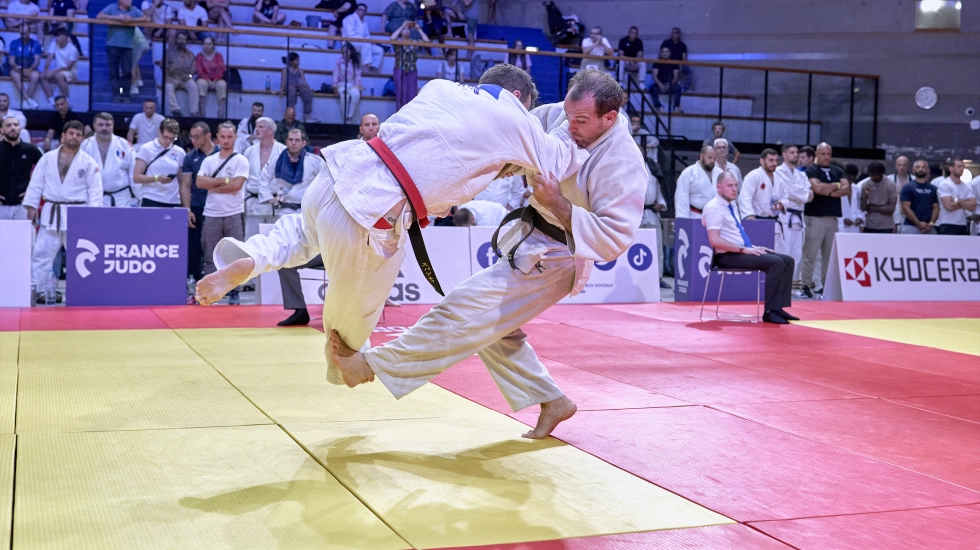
x,y
692,252
126,256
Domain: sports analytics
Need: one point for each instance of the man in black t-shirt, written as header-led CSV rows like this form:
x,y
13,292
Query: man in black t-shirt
x,y
666,80
678,50
631,46
829,184
59,118
193,198
17,160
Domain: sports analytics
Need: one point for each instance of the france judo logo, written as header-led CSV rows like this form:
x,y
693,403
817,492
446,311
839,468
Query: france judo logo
x,y
685,243
855,269
83,258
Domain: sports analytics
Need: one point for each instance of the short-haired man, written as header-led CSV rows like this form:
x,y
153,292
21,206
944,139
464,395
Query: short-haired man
x,y
794,192
734,250
62,62
158,168
721,160
6,110
597,45
666,80
718,132
479,213
758,196
829,184
370,125
901,177
63,177
17,161
956,201
61,115
25,60
193,198
678,50
179,74
119,46
246,128
878,199
145,126
355,25
920,202
287,124
696,185
807,154
262,157
632,46
116,160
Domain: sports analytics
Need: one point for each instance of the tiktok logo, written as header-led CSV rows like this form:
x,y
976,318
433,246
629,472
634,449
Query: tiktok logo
x,y
486,256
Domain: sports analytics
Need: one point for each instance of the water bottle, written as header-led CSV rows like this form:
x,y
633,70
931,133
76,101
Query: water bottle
x,y
191,289
772,203
268,83
51,290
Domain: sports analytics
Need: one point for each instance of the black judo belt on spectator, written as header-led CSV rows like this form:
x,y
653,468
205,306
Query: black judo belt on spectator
x,y
112,198
534,220
794,213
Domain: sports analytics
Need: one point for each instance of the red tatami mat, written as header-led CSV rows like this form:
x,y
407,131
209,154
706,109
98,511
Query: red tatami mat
x,y
947,528
929,443
936,361
695,337
89,318
9,318
747,471
966,407
222,316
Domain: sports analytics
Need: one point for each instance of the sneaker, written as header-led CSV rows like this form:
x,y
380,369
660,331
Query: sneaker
x,y
806,292
29,103
177,112
234,299
664,285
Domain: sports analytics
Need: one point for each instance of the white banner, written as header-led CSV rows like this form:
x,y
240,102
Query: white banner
x,y
873,267
15,277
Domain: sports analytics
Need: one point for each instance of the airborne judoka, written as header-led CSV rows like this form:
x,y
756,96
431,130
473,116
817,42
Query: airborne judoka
x,y
453,141
596,212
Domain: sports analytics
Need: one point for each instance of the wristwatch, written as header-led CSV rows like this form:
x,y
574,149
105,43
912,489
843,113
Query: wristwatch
x,y
741,247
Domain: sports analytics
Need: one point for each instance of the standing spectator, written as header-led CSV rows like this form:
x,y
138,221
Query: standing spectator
x,y
246,128
696,185
59,118
920,202
956,201
294,85
471,12
158,168
191,14
145,126
406,74
116,160
718,132
25,58
370,125
878,199
267,13
17,160
829,184
210,68
119,46
901,177
288,123
807,154
16,24
449,68
347,81
160,13
265,152
219,13
678,51
851,219
666,80
396,14
794,192
140,46
62,60
181,66
597,45
356,26
519,60
653,205
631,46
193,197
758,197
721,159
223,176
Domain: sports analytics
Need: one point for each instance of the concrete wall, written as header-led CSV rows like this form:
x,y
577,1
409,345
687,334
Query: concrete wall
x,y
859,36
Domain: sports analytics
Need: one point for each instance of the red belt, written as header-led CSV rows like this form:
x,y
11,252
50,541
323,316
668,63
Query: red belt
x,y
404,180
695,210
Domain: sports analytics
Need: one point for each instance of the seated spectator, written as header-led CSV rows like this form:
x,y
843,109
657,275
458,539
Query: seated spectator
x,y
219,13
62,60
347,81
519,60
342,9
479,213
920,202
287,124
406,74
62,115
61,8
211,76
181,66
449,69
25,58
267,13
718,132
356,26
191,14
434,20
23,7
666,80
396,14
647,142
159,13
595,44
631,46
294,85
678,52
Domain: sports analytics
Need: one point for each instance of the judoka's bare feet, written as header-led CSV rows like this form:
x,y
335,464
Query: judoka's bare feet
x,y
213,287
552,414
353,367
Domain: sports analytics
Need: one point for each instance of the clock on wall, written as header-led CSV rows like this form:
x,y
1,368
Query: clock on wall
x,y
926,97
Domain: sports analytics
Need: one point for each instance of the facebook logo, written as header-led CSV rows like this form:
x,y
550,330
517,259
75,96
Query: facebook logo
x,y
605,266
486,256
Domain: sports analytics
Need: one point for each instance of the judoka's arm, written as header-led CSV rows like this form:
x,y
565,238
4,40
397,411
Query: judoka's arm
x,y
221,185
93,183
35,189
682,197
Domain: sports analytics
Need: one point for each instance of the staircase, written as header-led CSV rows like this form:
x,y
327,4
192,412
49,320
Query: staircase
x,y
101,93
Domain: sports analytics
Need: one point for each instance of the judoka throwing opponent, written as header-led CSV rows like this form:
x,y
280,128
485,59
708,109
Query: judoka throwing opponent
x,y
596,212
452,140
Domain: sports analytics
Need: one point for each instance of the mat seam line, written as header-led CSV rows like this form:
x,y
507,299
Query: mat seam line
x,y
938,506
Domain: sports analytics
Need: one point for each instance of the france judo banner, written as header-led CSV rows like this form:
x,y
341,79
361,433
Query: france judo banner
x,y
126,256
693,260
873,267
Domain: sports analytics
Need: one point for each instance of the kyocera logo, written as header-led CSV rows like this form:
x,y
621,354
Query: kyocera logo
x,y
856,269
122,258
914,270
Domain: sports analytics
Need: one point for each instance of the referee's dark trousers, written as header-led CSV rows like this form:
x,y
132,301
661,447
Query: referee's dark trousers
x,y
777,267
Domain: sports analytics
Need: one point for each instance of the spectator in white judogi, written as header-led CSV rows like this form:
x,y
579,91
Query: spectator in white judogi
x,y
794,192
479,213
852,217
696,185
901,177
506,191
355,26
653,204
159,164
261,156
63,177
758,199
721,160
115,158
246,128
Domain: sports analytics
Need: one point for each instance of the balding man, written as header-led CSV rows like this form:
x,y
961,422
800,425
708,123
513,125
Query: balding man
x,y
901,177
828,183
370,125
260,155
696,185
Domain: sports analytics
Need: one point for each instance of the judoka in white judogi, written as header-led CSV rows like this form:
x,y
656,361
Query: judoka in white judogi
x,y
757,197
651,217
794,192
850,208
507,192
258,211
696,185
116,170
356,26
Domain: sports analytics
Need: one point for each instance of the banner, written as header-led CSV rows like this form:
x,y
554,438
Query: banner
x,y
873,267
15,275
126,256
693,260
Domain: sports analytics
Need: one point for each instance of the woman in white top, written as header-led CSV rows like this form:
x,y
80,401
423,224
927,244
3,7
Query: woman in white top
x,y
449,68
158,168
347,80
522,60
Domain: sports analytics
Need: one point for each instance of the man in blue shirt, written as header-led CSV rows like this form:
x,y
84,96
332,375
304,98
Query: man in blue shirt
x,y
193,198
25,56
119,46
920,202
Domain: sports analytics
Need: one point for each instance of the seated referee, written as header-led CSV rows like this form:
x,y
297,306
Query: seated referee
x,y
734,250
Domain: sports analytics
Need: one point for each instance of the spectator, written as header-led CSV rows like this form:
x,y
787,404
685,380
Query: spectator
x,y
294,85
145,126
140,46
878,199
210,68
794,192
957,200
160,13
25,58
181,66
920,202
17,160
595,45
223,176
287,124
900,177
519,60
975,217
696,185
646,141
246,128
666,80
193,197
267,13
807,154
261,157
829,184
758,198
219,13
62,8
721,156
61,116
678,51
434,20
158,168
718,132
851,219
16,24
654,204
734,250
369,127
119,46
62,61
191,14
470,10
116,159
342,10
406,74
347,81
508,192
396,14
631,46
6,111
479,213
449,68
372,55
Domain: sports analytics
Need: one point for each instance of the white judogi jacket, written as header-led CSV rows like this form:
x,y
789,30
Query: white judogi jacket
x,y
653,196
273,186
794,192
733,170
254,184
117,171
353,26
694,188
851,209
82,184
486,213
755,198
453,140
507,192
241,141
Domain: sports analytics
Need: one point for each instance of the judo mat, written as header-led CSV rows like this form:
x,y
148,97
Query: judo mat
x,y
189,427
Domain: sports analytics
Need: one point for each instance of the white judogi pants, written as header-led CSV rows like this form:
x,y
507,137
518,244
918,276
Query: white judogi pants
x,y
46,246
789,240
372,55
484,315
17,212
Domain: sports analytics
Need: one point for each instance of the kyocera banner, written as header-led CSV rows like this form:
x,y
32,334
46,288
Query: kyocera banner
x,y
126,256
693,260
875,267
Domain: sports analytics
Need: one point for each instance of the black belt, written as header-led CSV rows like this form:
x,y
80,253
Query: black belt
x,y
797,213
112,200
534,219
57,208
293,205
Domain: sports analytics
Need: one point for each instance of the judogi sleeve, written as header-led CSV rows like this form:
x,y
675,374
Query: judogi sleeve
x,y
35,188
267,178
93,182
749,187
616,198
553,153
682,196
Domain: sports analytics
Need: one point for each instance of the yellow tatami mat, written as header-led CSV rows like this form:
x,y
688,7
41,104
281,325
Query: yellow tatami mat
x,y
247,487
104,348
464,480
7,444
8,349
235,347
8,398
958,335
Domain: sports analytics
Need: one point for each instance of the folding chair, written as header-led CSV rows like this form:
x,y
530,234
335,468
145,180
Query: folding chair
x,y
737,317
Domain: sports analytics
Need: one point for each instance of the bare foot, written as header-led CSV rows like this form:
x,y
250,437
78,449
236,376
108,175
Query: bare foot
x,y
213,287
353,367
552,413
